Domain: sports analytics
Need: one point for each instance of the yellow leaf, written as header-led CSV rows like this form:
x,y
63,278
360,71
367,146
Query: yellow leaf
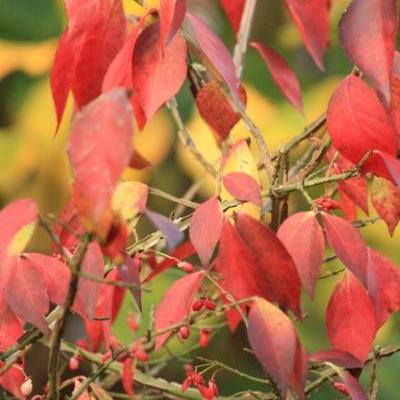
x,y
129,199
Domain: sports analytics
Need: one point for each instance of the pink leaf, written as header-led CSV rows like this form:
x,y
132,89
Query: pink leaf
x,y
100,148
353,387
88,290
205,228
277,274
348,244
337,357
243,187
350,319
216,53
304,240
312,20
10,326
282,74
368,32
157,77
176,304
172,13
12,380
383,286
273,339
358,123
391,165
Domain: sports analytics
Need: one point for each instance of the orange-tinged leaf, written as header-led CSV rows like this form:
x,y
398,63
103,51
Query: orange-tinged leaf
x,y
304,240
216,53
130,199
274,341
282,74
368,31
350,318
216,110
14,219
172,13
99,150
386,200
157,76
348,245
277,273
358,123
205,228
176,304
383,286
243,187
312,20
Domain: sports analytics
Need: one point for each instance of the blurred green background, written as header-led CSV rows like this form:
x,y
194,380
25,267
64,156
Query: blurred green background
x,y
33,162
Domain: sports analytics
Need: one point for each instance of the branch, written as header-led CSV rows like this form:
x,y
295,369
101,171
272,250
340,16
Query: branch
x,y
244,35
59,327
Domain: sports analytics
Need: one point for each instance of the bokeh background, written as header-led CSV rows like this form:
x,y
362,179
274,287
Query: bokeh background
x,y
33,161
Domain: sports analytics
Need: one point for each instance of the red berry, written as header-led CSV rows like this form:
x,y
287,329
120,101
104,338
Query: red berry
x,y
204,337
186,384
206,392
188,368
184,332
210,304
198,379
198,305
132,323
73,363
142,356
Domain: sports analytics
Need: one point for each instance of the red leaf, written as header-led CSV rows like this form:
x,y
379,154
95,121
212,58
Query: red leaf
x,y
368,32
176,304
312,20
348,207
129,272
386,200
300,371
157,77
172,13
348,244
205,228
350,319
10,326
304,240
216,53
243,187
25,292
277,273
128,376
88,290
12,379
282,74
274,341
216,110
383,286
395,95
94,35
391,165
183,251
353,387
358,123
100,148
55,273
337,357
233,10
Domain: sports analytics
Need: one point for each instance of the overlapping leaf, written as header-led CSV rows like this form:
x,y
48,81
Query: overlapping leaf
x,y
157,75
233,10
304,240
176,304
350,318
368,33
99,150
94,35
243,187
205,228
358,123
172,13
